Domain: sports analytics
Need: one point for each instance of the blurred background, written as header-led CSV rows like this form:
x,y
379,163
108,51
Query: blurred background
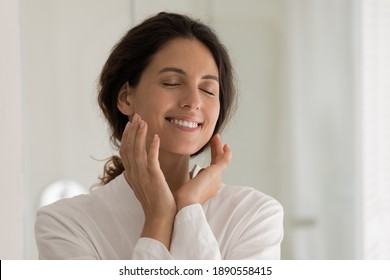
x,y
312,127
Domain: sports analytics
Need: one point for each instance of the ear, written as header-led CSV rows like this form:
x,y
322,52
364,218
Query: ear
x,y
125,98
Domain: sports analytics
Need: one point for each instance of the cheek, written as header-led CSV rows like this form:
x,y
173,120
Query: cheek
x,y
215,114
146,106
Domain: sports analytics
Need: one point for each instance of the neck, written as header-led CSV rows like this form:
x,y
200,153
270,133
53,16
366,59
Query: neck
x,y
175,169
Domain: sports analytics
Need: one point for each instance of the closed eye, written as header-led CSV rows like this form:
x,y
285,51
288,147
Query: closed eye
x,y
171,84
207,92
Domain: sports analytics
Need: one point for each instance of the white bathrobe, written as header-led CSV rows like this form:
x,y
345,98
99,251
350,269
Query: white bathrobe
x,y
238,223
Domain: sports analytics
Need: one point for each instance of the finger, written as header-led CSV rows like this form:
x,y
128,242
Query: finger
x,y
140,147
153,163
213,147
130,142
216,148
227,155
122,149
224,160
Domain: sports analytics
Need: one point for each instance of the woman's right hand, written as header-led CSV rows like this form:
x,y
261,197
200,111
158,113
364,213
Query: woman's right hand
x,y
143,173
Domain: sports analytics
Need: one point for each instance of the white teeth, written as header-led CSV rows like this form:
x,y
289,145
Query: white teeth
x,y
184,123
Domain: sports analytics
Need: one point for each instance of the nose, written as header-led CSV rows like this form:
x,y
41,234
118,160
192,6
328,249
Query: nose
x,y
190,99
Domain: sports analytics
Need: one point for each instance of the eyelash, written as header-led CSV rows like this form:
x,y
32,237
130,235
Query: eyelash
x,y
176,84
171,84
208,92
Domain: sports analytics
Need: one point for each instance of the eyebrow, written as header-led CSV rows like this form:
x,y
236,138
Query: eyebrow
x,y
182,72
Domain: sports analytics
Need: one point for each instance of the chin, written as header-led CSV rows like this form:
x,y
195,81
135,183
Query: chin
x,y
185,151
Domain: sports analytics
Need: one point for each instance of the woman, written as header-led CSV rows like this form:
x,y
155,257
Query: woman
x,y
166,91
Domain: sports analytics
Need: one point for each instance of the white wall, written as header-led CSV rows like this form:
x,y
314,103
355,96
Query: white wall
x,y
11,198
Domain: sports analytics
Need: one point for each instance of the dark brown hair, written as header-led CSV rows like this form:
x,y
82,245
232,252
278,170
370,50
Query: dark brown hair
x,y
131,55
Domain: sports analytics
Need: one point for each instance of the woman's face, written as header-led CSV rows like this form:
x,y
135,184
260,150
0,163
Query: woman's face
x,y
178,96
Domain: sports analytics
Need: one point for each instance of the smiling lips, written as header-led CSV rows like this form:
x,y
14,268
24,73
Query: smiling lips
x,y
183,123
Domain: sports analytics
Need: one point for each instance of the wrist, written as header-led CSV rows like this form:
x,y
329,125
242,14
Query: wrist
x,y
159,229
181,203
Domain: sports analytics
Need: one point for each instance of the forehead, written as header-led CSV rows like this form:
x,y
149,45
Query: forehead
x,y
188,54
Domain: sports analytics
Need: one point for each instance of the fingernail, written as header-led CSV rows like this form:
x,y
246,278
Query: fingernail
x,y
155,137
135,118
142,124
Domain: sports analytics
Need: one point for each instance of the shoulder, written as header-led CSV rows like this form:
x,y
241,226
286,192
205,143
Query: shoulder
x,y
246,215
85,226
248,198
68,206
86,205
242,197
245,206
250,220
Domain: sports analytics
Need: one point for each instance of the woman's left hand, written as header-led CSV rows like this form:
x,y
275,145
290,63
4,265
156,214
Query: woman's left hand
x,y
208,182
